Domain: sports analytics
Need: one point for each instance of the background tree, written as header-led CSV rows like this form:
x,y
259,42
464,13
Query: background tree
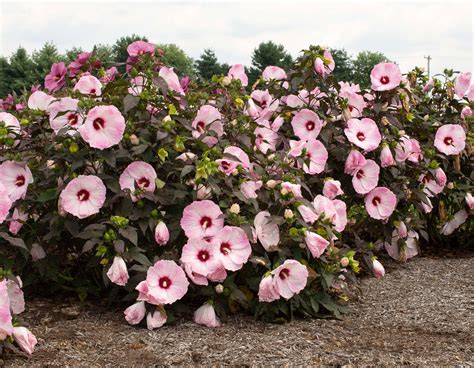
x,y
19,71
344,65
104,53
43,59
176,57
363,65
71,54
268,53
207,65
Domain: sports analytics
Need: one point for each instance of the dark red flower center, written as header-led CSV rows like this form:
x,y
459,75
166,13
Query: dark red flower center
x,y
360,136
143,182
98,124
200,126
284,274
225,248
225,165
164,282
376,201
83,195
72,119
263,104
310,125
92,91
384,80
360,174
448,141
20,180
205,222
350,108
203,255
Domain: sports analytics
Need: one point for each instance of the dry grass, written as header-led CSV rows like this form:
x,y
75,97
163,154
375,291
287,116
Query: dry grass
x,y
419,315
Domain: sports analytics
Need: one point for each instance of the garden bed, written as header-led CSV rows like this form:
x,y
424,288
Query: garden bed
x,y
420,314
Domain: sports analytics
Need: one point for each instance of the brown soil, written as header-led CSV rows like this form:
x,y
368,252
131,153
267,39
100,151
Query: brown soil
x,y
419,315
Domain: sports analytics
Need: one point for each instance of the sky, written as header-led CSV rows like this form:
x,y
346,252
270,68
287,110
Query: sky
x,y
405,31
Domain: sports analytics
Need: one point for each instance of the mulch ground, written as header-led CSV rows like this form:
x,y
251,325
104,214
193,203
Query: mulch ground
x,y
420,314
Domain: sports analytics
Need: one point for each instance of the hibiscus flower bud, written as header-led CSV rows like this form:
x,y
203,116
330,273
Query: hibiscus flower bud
x,y
226,81
37,252
219,288
288,214
284,191
378,269
118,272
469,200
134,140
206,315
156,319
135,313
162,234
344,261
271,184
450,185
25,339
235,208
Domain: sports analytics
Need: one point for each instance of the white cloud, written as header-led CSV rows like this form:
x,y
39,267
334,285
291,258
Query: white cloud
x,y
404,30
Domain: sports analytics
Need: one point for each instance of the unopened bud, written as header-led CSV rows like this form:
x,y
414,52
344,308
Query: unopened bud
x,y
271,184
219,288
288,214
134,140
450,185
226,81
344,261
235,208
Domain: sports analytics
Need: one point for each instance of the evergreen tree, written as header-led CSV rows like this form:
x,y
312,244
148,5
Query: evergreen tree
x,y
207,65
363,65
268,53
176,57
344,67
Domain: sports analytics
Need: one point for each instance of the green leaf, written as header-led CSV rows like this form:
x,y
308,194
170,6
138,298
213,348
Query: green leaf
x,y
47,195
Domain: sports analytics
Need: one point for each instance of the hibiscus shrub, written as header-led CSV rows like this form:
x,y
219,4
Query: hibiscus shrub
x,y
266,199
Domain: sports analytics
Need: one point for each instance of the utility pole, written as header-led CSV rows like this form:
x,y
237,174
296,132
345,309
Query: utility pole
x,y
428,58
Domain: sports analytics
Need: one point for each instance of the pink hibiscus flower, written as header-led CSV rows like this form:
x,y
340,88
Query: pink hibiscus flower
x,y
267,231
5,203
18,219
10,121
201,255
354,161
135,313
15,177
6,327
165,283
316,244
306,124
139,48
234,247
202,219
238,72
273,72
84,196
207,118
332,188
450,139
56,79
265,139
325,65
363,133
266,290
290,278
408,149
385,76
340,220
103,128
462,83
39,101
89,85
64,113
249,188
171,79
138,176
380,203
317,155
75,66
366,178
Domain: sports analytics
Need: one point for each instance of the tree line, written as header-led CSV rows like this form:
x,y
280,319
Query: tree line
x,y
21,69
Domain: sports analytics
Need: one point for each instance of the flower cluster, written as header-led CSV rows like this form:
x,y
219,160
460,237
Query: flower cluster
x,y
218,197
